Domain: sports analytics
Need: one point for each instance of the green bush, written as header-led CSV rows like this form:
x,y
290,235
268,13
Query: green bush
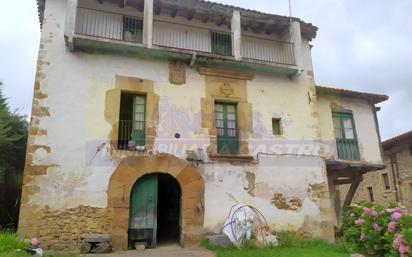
x,y
377,231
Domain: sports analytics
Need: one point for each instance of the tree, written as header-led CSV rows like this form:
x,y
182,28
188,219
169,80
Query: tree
x,y
13,138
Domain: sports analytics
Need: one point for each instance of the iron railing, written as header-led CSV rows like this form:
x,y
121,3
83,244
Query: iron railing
x,y
128,136
117,26
267,50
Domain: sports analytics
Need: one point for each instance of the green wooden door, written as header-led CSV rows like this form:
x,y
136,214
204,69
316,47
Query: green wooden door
x,y
143,211
226,127
139,120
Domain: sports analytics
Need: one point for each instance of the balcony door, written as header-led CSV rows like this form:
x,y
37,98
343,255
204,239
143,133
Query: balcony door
x,y
346,139
226,127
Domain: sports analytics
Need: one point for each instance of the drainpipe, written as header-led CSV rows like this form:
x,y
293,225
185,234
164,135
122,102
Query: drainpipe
x,y
375,110
398,178
394,176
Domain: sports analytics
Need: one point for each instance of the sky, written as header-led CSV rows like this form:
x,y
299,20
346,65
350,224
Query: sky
x,y
361,45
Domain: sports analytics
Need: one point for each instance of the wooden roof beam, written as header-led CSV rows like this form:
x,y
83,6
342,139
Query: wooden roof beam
x,y
205,18
190,14
173,11
220,21
158,8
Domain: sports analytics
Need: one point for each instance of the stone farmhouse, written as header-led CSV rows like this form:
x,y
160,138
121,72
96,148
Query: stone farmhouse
x,y
394,183
152,118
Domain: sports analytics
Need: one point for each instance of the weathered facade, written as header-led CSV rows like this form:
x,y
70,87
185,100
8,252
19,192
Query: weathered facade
x,y
394,183
204,103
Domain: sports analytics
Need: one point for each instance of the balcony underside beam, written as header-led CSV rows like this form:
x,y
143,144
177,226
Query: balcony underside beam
x,y
90,44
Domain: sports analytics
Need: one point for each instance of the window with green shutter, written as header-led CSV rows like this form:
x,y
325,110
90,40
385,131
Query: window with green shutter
x,y
346,140
132,121
226,128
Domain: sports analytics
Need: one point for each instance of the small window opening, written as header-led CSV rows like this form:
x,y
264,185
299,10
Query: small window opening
x,y
386,181
276,128
371,197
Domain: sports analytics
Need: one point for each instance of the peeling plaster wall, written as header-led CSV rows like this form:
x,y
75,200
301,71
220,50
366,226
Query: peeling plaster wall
x,y
368,139
78,161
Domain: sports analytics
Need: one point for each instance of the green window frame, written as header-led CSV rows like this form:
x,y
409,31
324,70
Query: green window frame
x,y
346,138
226,128
132,29
139,120
221,43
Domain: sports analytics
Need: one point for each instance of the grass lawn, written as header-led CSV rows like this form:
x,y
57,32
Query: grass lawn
x,y
289,246
12,246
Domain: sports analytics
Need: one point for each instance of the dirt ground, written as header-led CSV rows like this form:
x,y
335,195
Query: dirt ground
x,y
163,251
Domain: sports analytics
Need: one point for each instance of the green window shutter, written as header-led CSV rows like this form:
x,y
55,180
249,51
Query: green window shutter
x,y
346,139
221,43
139,120
226,128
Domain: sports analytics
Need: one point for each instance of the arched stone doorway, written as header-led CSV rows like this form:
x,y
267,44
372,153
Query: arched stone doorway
x,y
130,170
155,211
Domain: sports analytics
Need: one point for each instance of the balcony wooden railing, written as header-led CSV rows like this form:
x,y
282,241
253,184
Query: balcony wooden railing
x,y
116,26
347,149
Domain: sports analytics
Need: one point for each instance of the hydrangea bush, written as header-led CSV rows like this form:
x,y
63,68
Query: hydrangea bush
x,y
374,230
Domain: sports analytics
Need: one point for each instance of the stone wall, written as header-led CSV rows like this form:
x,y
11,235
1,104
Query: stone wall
x,y
375,180
61,230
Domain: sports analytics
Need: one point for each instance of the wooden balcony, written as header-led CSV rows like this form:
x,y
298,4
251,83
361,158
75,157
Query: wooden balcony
x,y
116,32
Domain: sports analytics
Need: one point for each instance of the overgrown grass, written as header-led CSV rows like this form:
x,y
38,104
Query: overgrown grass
x,y
12,246
289,246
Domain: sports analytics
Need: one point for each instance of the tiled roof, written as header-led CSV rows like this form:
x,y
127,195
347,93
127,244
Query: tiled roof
x,y
403,138
308,30
373,98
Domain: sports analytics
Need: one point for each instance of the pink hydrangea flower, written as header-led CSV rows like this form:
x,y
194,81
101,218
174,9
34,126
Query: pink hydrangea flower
x,y
362,236
403,248
359,221
376,226
374,213
392,226
390,210
396,215
352,214
397,241
357,255
366,209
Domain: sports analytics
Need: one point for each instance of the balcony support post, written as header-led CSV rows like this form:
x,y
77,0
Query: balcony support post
x,y
148,23
296,39
69,29
236,35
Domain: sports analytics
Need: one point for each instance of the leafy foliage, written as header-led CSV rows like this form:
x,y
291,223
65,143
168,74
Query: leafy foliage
x,y
13,137
377,231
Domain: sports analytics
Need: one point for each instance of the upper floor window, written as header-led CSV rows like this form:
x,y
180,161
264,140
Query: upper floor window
x,y
226,127
132,29
370,192
132,121
346,140
221,43
385,178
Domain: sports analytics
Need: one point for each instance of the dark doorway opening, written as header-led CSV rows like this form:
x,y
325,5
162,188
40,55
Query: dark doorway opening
x,y
168,210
